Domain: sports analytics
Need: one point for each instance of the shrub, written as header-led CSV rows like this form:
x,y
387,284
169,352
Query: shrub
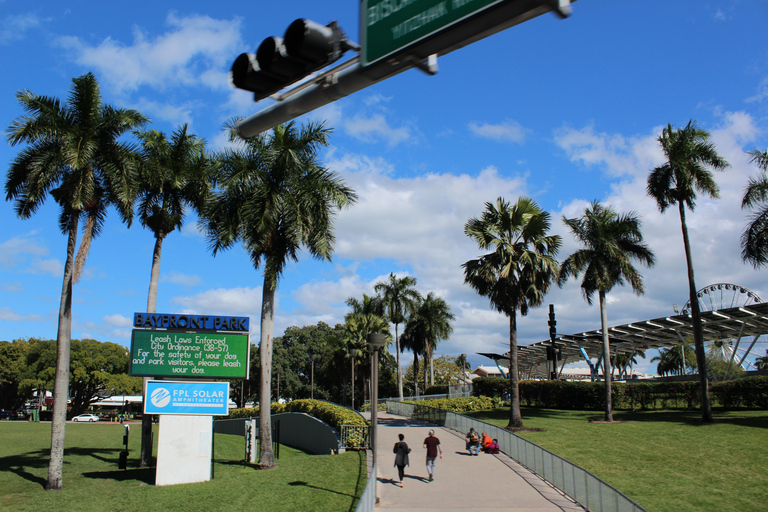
x,y
334,415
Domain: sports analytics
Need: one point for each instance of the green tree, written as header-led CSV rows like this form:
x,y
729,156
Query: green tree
x,y
517,272
754,240
13,365
74,152
357,327
277,199
688,153
432,319
400,297
762,362
625,361
676,360
176,175
611,243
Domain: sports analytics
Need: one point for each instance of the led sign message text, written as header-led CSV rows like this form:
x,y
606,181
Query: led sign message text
x,y
184,354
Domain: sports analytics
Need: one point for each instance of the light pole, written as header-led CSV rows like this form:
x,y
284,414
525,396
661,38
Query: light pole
x,y
375,342
312,392
353,353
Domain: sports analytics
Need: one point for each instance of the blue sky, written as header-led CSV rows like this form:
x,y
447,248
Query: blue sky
x,y
564,111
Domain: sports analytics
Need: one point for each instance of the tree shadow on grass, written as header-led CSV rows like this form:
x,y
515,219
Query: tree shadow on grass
x,y
305,484
38,460
146,475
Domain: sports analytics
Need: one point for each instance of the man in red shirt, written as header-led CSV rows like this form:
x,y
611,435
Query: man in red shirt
x,y
432,444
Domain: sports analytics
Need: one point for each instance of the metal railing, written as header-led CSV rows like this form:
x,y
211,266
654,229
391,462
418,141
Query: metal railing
x,y
575,482
355,437
368,499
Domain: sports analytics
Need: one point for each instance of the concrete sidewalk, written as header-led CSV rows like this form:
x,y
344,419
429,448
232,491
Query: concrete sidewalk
x,y
462,482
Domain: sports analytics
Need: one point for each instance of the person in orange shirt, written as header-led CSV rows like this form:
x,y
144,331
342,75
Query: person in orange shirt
x,y
485,440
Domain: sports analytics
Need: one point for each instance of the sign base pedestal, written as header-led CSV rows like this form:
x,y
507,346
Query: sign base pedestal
x,y
184,449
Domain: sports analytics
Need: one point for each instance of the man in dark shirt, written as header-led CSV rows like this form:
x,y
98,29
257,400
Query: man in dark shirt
x,y
432,444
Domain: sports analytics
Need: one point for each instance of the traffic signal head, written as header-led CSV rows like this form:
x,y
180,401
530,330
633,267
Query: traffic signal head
x,y
305,48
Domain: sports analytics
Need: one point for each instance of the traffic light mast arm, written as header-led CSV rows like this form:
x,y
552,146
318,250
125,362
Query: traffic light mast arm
x,y
315,95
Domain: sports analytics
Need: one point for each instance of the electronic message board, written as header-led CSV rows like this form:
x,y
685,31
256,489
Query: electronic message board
x,y
189,354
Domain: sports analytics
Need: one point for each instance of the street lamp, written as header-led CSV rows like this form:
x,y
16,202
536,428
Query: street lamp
x,y
353,353
312,392
375,342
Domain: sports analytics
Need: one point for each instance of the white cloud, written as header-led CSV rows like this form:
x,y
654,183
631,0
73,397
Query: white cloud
x,y
374,128
223,301
15,28
191,53
182,279
508,131
118,320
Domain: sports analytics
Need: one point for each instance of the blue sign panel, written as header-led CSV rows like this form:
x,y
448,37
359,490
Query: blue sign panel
x,y
191,398
191,322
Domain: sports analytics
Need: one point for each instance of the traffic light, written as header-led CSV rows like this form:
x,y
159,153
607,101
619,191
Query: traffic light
x,y
552,323
305,48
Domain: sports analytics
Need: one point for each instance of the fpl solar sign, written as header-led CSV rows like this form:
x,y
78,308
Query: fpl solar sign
x,y
190,398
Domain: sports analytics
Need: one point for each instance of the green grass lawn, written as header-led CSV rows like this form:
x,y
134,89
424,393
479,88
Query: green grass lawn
x,y
93,482
667,461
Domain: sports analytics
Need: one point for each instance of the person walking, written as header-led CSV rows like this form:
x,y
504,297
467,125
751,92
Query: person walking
x,y
432,444
401,452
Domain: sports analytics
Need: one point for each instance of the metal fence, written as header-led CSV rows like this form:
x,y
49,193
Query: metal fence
x,y
368,499
355,437
575,482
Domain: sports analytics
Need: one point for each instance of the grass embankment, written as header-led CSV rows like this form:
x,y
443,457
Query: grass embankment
x,y
667,461
93,482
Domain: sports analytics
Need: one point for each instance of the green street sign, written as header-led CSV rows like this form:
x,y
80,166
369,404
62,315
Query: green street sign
x,y
211,355
388,26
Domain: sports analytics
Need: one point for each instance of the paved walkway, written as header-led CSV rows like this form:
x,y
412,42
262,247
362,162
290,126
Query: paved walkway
x,y
462,482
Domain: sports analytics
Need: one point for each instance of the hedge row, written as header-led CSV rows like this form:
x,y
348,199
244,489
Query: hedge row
x,y
473,403
749,392
334,415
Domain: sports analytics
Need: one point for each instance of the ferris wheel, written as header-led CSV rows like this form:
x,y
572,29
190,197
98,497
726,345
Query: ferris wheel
x,y
722,296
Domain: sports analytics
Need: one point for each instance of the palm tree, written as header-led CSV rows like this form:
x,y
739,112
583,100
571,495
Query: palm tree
x,y
435,316
175,174
675,360
357,327
517,272
611,243
754,240
277,199
369,305
626,361
73,152
399,297
414,338
688,153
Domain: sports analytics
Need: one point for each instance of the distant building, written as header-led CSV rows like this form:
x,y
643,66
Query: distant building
x,y
489,371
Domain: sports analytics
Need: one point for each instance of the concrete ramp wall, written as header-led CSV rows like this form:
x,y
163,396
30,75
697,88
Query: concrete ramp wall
x,y
296,429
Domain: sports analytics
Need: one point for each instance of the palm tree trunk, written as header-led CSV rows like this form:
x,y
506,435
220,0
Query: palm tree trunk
x,y
155,274
61,381
399,370
416,373
515,416
146,419
266,456
698,335
606,357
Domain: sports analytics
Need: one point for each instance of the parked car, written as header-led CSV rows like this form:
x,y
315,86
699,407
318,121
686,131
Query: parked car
x,y
86,417
8,415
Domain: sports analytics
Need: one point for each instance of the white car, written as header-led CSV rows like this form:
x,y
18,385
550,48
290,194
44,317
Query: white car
x,y
86,417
